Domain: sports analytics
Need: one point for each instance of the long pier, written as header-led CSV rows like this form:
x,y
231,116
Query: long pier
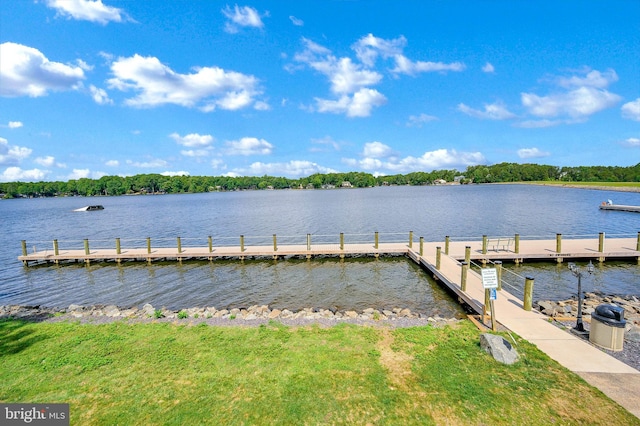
x,y
449,262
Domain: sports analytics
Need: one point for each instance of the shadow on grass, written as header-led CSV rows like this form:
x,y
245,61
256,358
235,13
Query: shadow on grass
x,y
14,337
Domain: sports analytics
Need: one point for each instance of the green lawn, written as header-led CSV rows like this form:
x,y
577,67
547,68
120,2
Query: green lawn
x,y
162,373
589,184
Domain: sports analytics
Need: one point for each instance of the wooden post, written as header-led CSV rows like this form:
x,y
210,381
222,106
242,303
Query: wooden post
x,y
438,257
308,241
56,250
558,243
463,277
342,241
498,264
210,241
148,245
517,244
484,244
446,245
24,247
241,243
493,317
86,247
376,240
528,293
275,243
638,243
467,255
601,242
421,246
487,302
118,250
179,245
410,239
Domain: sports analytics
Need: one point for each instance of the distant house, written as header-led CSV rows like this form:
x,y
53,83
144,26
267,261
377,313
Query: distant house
x,y
346,184
328,186
439,182
310,186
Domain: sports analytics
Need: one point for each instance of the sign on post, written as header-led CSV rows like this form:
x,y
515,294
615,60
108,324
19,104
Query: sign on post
x,y
493,294
489,278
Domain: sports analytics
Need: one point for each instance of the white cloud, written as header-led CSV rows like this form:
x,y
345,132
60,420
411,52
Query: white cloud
x,y
249,146
345,76
325,141
180,173
577,104
369,47
495,111
532,153
406,66
152,163
79,174
112,163
294,168
218,164
87,10
360,105
297,22
633,142
15,124
488,68
376,150
100,96
12,154
25,71
206,88
419,120
631,110
244,16
12,174
538,124
48,161
591,78
431,160
193,140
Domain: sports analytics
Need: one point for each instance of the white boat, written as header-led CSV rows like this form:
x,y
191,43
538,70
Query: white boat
x,y
89,208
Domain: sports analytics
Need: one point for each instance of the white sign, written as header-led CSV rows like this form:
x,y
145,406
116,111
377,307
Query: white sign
x,y
489,278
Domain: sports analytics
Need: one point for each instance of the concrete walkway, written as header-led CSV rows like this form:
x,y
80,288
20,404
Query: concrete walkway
x,y
615,379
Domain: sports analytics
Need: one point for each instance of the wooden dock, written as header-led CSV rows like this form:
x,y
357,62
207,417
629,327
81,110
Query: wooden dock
x,y
620,207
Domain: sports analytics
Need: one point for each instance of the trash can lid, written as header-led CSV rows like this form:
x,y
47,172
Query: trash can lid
x,y
610,311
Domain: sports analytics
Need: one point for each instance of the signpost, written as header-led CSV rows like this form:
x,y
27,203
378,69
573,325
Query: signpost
x,y
490,285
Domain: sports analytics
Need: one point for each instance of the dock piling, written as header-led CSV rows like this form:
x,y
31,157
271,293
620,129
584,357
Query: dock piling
x,y
559,247
210,242
498,264
308,242
484,244
463,276
421,246
467,254
56,251
516,247
376,240
342,241
275,243
446,245
242,243
148,245
438,257
118,250
528,293
179,241
410,239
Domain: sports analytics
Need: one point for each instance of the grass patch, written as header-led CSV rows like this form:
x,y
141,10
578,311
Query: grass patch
x,y
588,184
132,374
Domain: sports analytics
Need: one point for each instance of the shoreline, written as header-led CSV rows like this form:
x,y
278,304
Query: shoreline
x,y
577,186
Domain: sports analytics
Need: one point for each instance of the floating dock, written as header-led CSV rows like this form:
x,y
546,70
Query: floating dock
x,y
620,207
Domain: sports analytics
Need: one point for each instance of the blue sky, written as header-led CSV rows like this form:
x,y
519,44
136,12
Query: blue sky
x,y
292,88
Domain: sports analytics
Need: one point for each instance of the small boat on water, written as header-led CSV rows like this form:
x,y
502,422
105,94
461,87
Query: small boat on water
x,y
608,205
89,208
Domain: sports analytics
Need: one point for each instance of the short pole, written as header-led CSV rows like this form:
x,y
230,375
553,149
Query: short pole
x,y
410,239
86,246
446,245
24,247
148,245
275,243
484,244
558,243
179,245
638,243
528,293
56,250
517,244
118,251
467,254
438,257
376,240
463,277
308,241
601,242
498,264
210,241
342,241
421,246
241,243
487,302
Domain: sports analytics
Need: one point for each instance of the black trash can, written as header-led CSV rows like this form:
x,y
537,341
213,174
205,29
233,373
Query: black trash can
x,y
607,327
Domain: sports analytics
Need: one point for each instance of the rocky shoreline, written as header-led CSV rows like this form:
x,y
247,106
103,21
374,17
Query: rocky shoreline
x,y
251,316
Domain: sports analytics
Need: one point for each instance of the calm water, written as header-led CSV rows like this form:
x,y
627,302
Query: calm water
x,y
463,212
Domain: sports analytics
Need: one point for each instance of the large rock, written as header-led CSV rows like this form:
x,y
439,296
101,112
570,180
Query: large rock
x,y
499,348
633,335
148,309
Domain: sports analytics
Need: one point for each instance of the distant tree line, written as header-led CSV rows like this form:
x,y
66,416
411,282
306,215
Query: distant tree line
x,y
157,183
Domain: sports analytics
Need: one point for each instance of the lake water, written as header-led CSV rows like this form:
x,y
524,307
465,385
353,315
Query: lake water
x,y
462,212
